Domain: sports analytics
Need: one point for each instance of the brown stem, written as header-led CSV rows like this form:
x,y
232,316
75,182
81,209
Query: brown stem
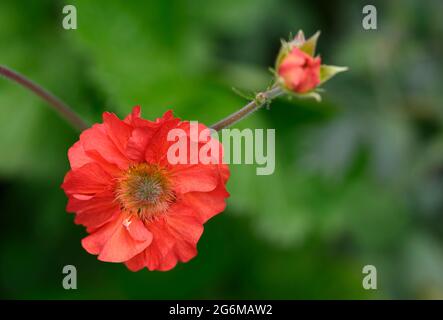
x,y
257,103
58,105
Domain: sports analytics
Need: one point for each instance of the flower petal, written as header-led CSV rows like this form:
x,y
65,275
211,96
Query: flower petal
x,y
187,178
138,142
174,239
137,229
135,114
159,144
161,245
94,212
117,130
89,179
96,141
207,204
113,242
77,156
136,263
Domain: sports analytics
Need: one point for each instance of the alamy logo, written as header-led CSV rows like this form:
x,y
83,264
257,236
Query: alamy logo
x,y
240,147
369,21
370,280
70,280
70,20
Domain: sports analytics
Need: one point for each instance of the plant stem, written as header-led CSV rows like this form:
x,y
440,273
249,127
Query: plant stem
x,y
72,118
261,99
58,105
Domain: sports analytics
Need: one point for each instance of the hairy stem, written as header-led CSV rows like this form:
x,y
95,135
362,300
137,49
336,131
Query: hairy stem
x,y
58,105
260,100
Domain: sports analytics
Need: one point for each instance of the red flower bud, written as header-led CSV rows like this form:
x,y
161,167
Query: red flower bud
x,y
299,71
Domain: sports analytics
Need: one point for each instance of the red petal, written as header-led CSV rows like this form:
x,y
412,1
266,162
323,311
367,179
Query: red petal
x,y
224,173
138,142
187,178
137,229
118,131
135,114
159,144
161,245
94,212
89,179
77,156
142,134
207,204
185,227
96,141
114,243
174,239
168,262
136,263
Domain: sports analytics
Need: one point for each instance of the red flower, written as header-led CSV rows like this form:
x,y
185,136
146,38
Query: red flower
x,y
299,71
139,208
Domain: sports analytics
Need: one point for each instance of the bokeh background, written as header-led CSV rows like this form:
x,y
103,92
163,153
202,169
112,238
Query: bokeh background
x,y
358,180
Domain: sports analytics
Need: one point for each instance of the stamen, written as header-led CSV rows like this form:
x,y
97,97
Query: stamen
x,y
145,190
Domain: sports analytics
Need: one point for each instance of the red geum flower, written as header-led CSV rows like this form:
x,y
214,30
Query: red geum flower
x,y
299,71
139,208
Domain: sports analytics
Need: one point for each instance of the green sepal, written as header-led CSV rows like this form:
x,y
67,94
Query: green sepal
x,y
286,47
313,94
327,72
310,45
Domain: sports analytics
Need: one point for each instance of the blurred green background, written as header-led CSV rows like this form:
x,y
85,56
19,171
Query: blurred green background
x,y
358,180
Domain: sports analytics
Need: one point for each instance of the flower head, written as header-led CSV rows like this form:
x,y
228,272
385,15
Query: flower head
x,y
137,207
299,71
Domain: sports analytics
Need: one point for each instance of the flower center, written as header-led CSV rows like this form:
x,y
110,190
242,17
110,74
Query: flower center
x,y
144,190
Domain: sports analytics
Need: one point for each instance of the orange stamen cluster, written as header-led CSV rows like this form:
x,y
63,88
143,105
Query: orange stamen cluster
x,y
145,190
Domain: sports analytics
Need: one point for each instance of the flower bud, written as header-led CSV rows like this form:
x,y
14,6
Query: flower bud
x,y
298,70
